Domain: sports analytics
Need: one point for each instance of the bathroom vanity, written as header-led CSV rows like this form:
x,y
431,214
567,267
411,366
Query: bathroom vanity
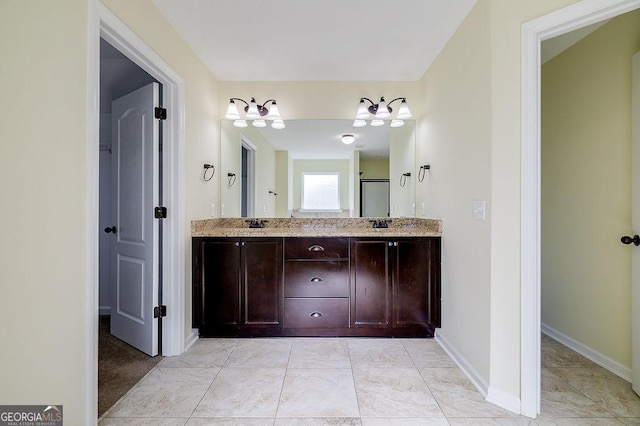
x,y
316,277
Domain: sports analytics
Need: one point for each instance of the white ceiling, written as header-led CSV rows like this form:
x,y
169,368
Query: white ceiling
x,y
328,40
554,46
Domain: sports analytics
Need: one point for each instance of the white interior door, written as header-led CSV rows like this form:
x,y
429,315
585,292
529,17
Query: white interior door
x,y
635,219
135,147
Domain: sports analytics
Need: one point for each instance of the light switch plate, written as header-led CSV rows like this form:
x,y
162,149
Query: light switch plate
x,y
478,210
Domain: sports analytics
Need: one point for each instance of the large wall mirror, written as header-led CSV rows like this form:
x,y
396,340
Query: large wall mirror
x,y
305,170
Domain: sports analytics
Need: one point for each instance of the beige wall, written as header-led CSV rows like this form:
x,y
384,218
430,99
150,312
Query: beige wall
x,y
284,181
586,189
374,168
43,181
455,137
470,135
319,99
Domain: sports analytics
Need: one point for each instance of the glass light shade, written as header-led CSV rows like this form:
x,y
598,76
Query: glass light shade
x,y
359,123
363,112
252,112
403,111
348,139
259,123
240,123
278,124
383,110
232,111
396,123
274,113
377,123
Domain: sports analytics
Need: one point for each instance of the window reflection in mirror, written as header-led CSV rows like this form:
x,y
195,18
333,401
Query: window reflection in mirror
x,y
280,159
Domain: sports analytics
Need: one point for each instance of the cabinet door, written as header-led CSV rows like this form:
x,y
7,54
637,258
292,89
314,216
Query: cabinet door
x,y
220,282
262,292
415,283
370,283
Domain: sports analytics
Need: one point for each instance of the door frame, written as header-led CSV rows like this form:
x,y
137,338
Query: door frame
x,y
104,24
251,176
572,17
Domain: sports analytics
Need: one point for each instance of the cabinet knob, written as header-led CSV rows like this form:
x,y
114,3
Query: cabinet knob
x,y
315,314
316,247
316,280
110,229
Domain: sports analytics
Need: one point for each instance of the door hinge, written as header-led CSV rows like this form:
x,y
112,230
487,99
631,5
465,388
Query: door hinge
x,y
161,113
160,212
160,311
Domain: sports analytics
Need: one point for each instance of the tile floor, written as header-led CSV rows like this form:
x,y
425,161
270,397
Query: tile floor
x,y
356,382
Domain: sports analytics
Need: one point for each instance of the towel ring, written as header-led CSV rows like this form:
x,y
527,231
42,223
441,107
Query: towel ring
x,y
208,167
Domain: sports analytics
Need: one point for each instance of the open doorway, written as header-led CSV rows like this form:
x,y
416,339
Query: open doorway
x,y
585,270
374,197
120,365
248,196
533,33
173,334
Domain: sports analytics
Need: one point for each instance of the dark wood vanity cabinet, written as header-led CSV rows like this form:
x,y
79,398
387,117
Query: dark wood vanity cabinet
x,y
316,286
395,285
237,286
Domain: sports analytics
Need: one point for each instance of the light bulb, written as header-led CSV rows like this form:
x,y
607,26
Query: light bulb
x,y
278,124
363,112
383,110
259,123
359,123
396,123
348,139
252,112
403,110
274,113
232,111
377,123
240,123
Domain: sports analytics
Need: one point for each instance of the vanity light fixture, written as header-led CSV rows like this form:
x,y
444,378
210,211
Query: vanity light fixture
x,y
256,112
378,112
348,139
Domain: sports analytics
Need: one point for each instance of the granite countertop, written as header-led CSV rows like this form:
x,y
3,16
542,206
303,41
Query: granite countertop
x,y
316,227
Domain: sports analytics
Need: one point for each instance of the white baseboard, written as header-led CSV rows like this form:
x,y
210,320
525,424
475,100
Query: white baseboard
x,y
602,360
476,379
191,339
504,399
104,310
491,394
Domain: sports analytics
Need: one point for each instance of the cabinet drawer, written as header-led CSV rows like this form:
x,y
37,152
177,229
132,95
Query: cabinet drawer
x,y
316,313
316,248
316,279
